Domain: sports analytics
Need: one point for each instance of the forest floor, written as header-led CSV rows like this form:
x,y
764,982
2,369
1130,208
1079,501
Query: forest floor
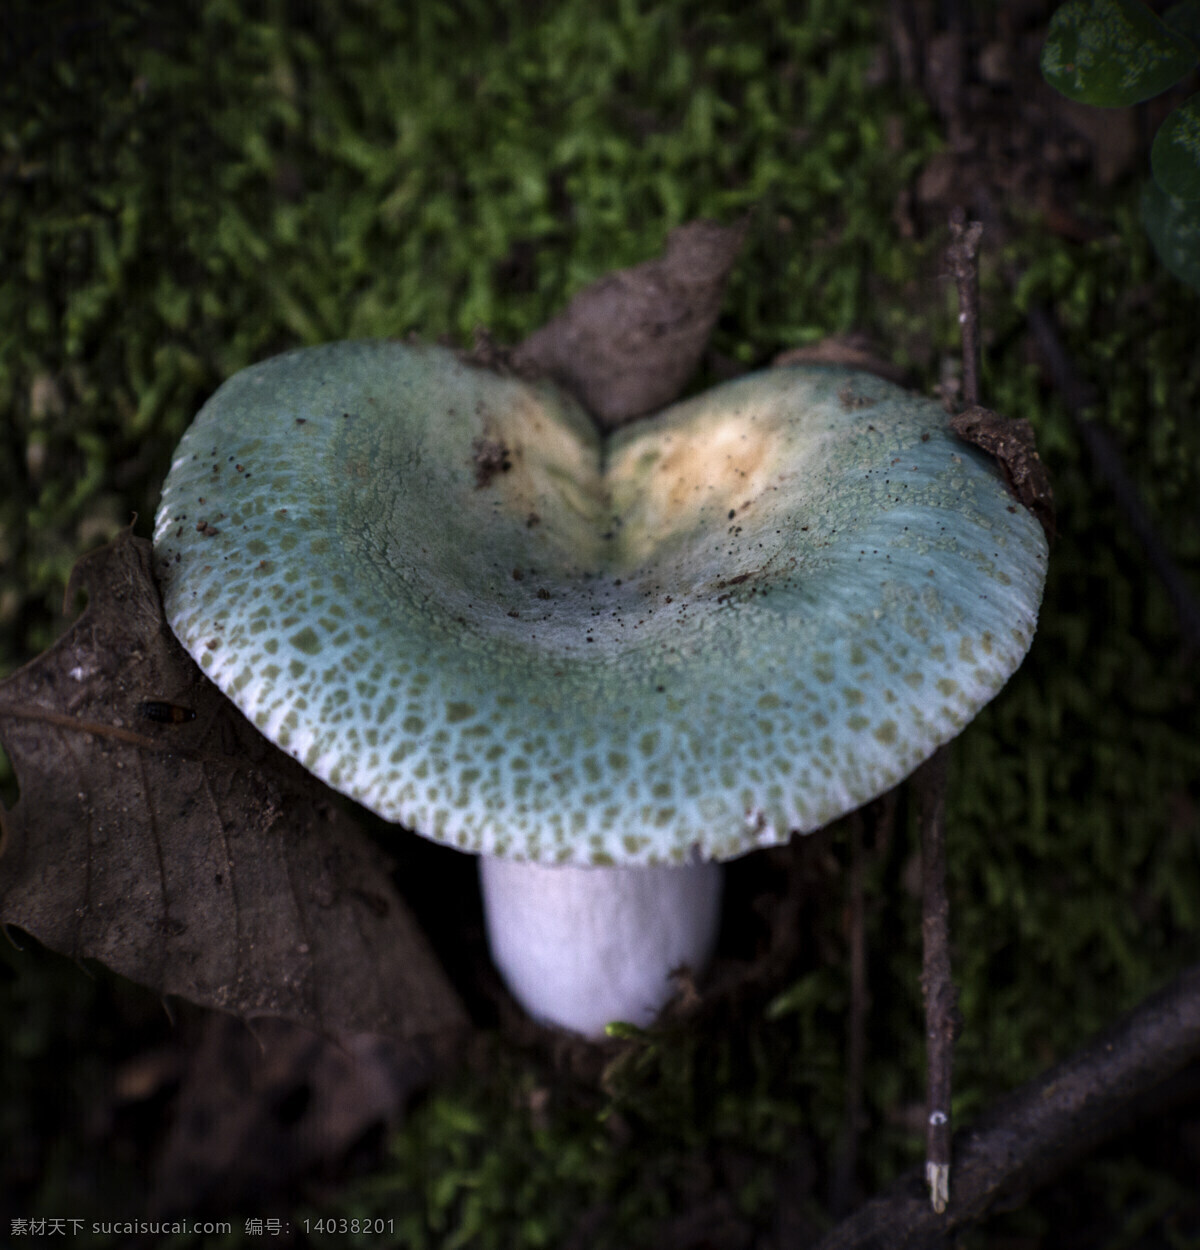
x,y
186,193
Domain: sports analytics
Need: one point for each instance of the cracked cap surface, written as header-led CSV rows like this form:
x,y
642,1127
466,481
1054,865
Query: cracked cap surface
x,y
449,597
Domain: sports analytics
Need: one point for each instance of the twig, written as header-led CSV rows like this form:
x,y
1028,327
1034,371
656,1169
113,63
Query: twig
x,y
49,717
963,258
1029,1136
1079,397
937,984
929,782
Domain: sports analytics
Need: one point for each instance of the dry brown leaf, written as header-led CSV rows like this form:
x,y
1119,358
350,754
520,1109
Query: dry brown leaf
x,y
158,832
627,344
1010,442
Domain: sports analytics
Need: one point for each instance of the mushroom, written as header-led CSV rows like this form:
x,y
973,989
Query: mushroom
x,y
603,663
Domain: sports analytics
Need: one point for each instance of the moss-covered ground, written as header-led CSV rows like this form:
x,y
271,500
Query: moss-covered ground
x,y
187,188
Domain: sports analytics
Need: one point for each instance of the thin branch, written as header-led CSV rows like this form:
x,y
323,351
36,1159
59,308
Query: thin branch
x,y
929,783
937,983
95,728
1029,1135
963,258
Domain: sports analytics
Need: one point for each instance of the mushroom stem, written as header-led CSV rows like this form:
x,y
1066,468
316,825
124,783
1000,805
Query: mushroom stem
x,y
581,947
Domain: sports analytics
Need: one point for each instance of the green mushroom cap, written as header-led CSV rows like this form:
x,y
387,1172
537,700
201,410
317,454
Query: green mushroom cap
x,y
451,598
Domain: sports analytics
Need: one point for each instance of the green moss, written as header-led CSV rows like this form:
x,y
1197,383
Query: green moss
x,y
513,1157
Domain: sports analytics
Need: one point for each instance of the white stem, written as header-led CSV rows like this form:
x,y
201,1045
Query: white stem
x,y
580,947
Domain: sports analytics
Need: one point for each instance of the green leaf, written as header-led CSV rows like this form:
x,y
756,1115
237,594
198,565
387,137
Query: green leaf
x,y
1113,53
1175,156
1174,228
1185,19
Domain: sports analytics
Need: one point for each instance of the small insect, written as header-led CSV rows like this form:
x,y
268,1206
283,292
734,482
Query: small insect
x,y
166,713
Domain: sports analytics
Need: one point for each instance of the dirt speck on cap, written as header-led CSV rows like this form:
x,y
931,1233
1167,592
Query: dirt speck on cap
x,y
490,457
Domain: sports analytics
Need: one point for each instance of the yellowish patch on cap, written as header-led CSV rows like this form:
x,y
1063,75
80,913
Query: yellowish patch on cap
x,y
553,479
686,477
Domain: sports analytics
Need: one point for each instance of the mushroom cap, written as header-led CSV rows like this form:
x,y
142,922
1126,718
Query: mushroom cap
x,y
449,597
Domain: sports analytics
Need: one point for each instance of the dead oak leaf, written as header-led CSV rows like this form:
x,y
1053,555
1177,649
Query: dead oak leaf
x,y
1010,442
627,344
158,832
